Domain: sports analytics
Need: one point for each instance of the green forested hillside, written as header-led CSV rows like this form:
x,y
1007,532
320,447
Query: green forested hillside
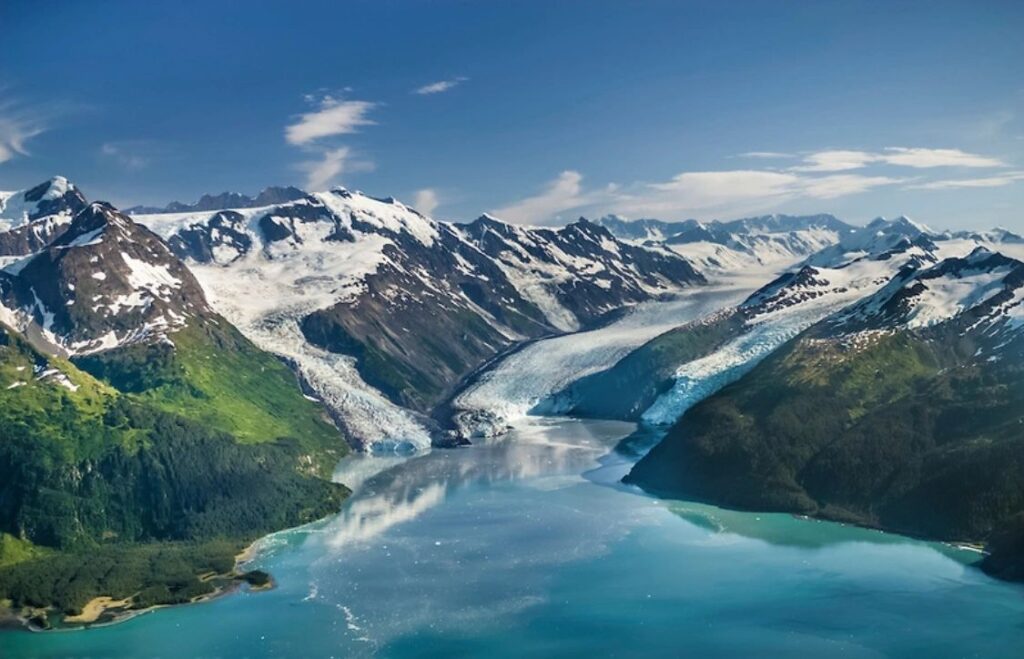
x,y
215,376
206,447
903,432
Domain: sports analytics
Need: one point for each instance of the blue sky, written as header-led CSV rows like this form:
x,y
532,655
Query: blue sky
x,y
536,111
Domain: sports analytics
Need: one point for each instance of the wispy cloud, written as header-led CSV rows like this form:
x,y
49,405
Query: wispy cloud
x,y
837,160
332,117
564,193
721,193
997,181
702,194
426,201
330,166
895,155
18,125
314,131
440,86
131,155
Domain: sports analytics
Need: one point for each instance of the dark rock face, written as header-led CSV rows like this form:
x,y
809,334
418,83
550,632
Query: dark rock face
x,y
444,298
31,237
225,231
104,280
415,331
48,209
618,273
70,200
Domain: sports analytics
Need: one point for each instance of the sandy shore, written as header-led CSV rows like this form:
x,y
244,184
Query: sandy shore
x,y
246,554
95,608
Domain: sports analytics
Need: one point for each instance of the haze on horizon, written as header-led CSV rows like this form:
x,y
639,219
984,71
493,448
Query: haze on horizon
x,y
534,112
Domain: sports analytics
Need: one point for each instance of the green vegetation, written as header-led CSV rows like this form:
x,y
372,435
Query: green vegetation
x,y
150,574
902,433
214,375
15,550
132,486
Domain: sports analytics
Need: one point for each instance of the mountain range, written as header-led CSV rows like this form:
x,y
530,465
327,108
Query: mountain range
x,y
899,410
180,380
384,311
754,243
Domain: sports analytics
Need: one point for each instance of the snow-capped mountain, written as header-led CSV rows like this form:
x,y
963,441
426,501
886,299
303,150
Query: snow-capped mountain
x,y
30,219
578,272
982,293
384,310
902,410
764,242
658,381
105,282
644,229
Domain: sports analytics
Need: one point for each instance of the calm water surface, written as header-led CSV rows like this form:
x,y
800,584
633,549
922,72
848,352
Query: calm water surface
x,y
527,545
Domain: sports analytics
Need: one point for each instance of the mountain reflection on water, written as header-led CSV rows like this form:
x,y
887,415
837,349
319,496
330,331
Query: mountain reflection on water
x,y
529,545
406,488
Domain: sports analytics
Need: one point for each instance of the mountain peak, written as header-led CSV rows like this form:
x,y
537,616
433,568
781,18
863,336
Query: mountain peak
x,y
56,196
105,282
55,188
91,223
983,283
905,221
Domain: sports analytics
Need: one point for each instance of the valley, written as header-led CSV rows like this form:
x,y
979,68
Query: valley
x,y
294,331
447,329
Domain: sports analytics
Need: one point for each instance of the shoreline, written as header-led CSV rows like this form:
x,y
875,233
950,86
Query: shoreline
x,y
13,621
130,614
972,546
104,605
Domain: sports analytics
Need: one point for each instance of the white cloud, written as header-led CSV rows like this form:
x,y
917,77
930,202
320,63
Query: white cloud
x,y
705,195
733,192
984,182
440,86
17,126
426,201
704,190
321,173
841,185
563,194
126,154
333,117
837,160
895,155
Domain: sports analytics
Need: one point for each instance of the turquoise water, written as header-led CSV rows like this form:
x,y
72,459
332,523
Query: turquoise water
x,y
526,546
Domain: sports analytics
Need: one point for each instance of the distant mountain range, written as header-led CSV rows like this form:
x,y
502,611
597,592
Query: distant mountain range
x,y
225,200
760,242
